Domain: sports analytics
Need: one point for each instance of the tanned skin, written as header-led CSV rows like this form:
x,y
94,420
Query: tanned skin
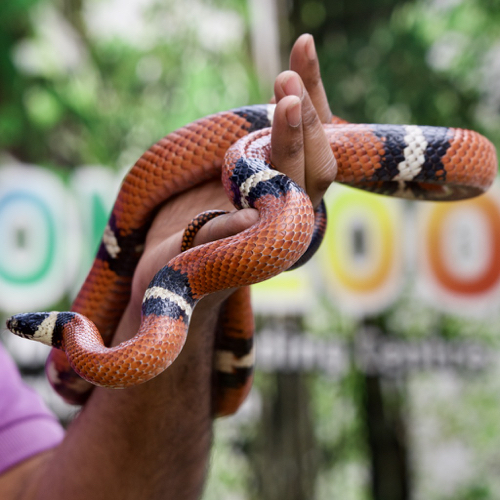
x,y
153,441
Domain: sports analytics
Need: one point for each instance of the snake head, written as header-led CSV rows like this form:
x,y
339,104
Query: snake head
x,y
37,326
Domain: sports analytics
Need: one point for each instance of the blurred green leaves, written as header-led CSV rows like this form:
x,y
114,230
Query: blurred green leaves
x,y
84,85
430,62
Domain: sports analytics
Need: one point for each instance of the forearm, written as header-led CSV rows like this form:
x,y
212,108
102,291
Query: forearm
x,y
151,441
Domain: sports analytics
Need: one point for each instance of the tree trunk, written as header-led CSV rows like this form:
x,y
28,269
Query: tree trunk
x,y
284,455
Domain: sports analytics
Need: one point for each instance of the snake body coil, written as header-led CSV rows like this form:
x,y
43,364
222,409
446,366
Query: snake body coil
x,y
406,161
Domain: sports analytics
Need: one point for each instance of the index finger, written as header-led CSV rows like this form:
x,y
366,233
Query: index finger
x,y
304,61
302,152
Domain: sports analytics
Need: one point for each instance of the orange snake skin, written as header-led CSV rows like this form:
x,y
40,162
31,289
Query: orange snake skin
x,y
407,161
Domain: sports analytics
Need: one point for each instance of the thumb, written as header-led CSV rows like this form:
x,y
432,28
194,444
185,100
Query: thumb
x,y
226,225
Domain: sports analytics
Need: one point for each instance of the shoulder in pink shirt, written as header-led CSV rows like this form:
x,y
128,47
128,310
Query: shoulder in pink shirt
x,y
27,427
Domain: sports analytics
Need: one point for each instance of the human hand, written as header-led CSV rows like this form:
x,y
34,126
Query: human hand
x,y
155,437
299,149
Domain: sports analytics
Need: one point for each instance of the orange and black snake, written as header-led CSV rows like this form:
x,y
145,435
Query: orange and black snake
x,y
407,161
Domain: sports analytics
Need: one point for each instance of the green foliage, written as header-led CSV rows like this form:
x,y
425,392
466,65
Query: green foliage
x,y
77,91
425,62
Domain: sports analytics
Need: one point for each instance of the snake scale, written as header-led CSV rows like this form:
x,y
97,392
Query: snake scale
x,y
417,162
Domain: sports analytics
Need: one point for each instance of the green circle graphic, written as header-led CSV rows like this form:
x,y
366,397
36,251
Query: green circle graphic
x,y
35,276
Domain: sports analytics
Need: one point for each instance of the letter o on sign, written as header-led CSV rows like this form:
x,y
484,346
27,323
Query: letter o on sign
x,y
363,249
460,252
33,210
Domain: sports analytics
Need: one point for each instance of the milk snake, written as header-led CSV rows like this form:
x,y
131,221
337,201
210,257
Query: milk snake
x,y
405,161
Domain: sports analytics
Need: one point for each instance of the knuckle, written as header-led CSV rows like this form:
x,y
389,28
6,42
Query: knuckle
x,y
312,80
292,150
327,174
311,119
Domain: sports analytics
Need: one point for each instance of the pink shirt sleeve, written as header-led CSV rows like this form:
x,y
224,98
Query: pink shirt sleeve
x,y
26,425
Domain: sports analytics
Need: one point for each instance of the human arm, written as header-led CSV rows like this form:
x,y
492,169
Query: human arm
x,y
153,441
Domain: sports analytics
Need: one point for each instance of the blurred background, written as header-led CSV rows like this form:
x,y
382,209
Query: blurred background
x,y
377,364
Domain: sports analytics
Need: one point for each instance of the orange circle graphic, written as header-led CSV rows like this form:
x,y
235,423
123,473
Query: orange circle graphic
x,y
437,251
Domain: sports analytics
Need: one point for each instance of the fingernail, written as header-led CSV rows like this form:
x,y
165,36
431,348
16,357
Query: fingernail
x,y
293,113
311,49
292,86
